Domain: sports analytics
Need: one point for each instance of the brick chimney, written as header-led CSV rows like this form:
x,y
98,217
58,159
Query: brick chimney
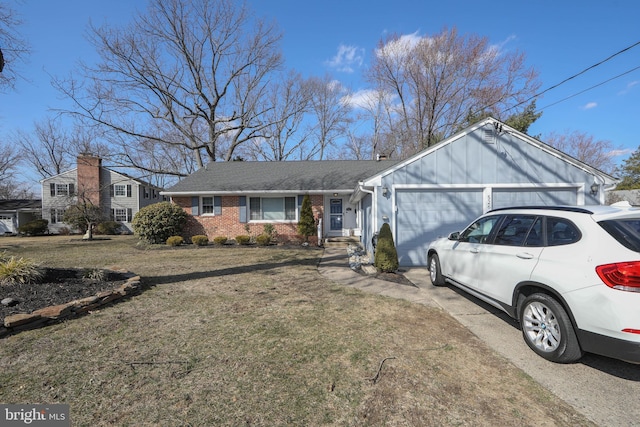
x,y
89,178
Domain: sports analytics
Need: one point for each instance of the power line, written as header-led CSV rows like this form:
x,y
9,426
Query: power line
x,y
573,77
588,89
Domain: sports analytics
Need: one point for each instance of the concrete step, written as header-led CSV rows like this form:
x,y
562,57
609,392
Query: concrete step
x,y
340,242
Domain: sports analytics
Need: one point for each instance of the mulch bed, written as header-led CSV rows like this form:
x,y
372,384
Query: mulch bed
x,y
58,286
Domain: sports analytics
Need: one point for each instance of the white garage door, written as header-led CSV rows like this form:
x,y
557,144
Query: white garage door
x,y
425,215
6,224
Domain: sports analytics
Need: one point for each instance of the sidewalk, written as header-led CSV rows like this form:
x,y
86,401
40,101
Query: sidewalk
x,y
334,265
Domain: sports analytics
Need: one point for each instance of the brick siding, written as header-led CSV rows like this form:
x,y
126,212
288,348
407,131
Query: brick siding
x,y
228,223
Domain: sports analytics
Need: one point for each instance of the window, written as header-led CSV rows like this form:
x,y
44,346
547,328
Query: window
x,y
61,189
212,205
625,231
479,231
120,190
122,214
514,230
272,208
56,215
561,231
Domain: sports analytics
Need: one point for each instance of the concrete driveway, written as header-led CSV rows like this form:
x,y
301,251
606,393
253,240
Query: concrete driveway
x,y
605,390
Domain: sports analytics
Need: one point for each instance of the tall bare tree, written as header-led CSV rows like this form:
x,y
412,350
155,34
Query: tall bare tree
x,y
51,148
597,153
199,67
284,137
437,80
14,49
331,111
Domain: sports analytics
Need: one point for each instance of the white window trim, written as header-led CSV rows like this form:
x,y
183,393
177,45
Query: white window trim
x,y
272,221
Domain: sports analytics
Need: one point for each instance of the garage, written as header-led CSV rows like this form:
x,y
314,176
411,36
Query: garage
x,y
424,215
6,224
487,166
505,197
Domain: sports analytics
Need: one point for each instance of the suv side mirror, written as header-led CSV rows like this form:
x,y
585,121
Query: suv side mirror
x,y
454,236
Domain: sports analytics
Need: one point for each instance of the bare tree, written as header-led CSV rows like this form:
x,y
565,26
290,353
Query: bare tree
x,y
51,148
10,185
283,137
584,147
331,113
13,48
437,80
199,67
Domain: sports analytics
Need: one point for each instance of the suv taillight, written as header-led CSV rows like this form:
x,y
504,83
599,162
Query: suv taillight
x,y
624,276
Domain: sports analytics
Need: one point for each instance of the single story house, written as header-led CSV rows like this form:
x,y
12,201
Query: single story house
x,y
17,212
439,190
119,195
238,198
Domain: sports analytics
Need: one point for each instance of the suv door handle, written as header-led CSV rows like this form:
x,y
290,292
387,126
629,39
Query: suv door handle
x,y
474,250
524,255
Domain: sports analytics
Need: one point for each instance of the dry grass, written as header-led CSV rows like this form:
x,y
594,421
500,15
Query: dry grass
x,y
255,336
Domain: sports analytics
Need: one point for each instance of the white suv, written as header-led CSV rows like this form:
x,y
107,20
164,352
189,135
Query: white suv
x,y
570,275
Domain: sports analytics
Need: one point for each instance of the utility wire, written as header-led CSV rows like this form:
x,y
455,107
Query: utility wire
x,y
588,89
572,77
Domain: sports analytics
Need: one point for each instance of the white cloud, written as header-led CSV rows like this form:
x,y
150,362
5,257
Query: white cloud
x,y
368,99
590,105
629,87
399,47
347,58
618,153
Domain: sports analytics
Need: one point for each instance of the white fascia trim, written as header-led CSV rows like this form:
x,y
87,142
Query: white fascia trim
x,y
244,193
541,185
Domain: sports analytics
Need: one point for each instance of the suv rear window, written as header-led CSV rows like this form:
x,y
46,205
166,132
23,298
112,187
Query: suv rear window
x,y
561,231
625,231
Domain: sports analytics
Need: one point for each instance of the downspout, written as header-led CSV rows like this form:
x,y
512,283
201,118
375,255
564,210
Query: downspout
x,y
374,205
374,208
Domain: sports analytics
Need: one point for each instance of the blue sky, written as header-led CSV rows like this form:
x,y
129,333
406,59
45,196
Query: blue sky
x,y
560,39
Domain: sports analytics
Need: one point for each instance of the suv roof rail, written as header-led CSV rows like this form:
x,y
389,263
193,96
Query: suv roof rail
x,y
552,208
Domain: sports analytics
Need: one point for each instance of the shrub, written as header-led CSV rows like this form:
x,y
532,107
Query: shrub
x,y
263,240
34,228
200,240
83,215
108,227
159,221
15,270
220,240
243,239
306,224
386,256
175,241
94,274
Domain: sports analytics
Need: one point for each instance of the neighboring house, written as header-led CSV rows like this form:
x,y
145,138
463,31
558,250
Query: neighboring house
x,y
17,212
437,191
119,195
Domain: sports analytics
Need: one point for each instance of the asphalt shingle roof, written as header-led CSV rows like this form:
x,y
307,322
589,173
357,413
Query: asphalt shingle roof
x,y
18,204
325,175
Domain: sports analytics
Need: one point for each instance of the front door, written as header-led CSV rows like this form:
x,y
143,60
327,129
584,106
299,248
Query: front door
x,y
335,215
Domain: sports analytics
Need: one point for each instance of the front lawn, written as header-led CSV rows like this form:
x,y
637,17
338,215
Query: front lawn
x,y
230,336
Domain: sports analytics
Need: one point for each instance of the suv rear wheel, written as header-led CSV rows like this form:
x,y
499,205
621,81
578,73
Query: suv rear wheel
x,y
547,329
